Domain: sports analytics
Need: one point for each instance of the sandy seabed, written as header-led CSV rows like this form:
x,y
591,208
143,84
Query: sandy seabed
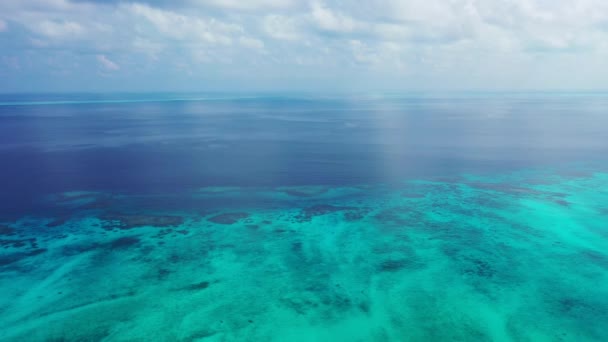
x,y
512,257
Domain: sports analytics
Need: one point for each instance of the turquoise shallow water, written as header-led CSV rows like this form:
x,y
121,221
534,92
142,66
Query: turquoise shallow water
x,y
507,256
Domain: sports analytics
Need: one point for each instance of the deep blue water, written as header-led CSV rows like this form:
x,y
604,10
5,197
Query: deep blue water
x,y
147,143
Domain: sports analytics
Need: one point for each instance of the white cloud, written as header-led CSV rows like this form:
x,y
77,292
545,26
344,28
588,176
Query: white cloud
x,y
438,38
183,27
539,24
281,27
59,30
107,64
329,20
249,5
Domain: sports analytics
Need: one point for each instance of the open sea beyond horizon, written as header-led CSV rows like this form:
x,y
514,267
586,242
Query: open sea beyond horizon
x,y
369,217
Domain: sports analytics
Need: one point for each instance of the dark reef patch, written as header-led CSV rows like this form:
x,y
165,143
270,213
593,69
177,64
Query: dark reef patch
x,y
283,231
305,192
162,233
562,202
197,286
119,243
392,216
8,259
163,273
228,218
307,214
582,307
296,247
123,242
337,301
364,306
486,201
201,335
395,265
505,188
129,221
596,257
6,230
18,243
479,268
355,215
301,306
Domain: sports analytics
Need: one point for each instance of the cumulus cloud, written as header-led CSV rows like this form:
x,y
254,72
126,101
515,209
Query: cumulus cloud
x,y
58,29
106,63
330,20
184,27
281,27
238,5
435,40
250,5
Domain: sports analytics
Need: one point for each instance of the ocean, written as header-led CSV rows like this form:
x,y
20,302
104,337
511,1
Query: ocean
x,y
304,217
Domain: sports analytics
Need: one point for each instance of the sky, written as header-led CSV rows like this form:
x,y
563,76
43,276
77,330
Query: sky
x,y
300,45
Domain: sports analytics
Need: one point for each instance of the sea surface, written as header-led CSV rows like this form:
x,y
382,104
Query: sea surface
x,y
304,217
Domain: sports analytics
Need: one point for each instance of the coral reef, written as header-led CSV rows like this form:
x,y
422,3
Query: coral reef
x,y
228,218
